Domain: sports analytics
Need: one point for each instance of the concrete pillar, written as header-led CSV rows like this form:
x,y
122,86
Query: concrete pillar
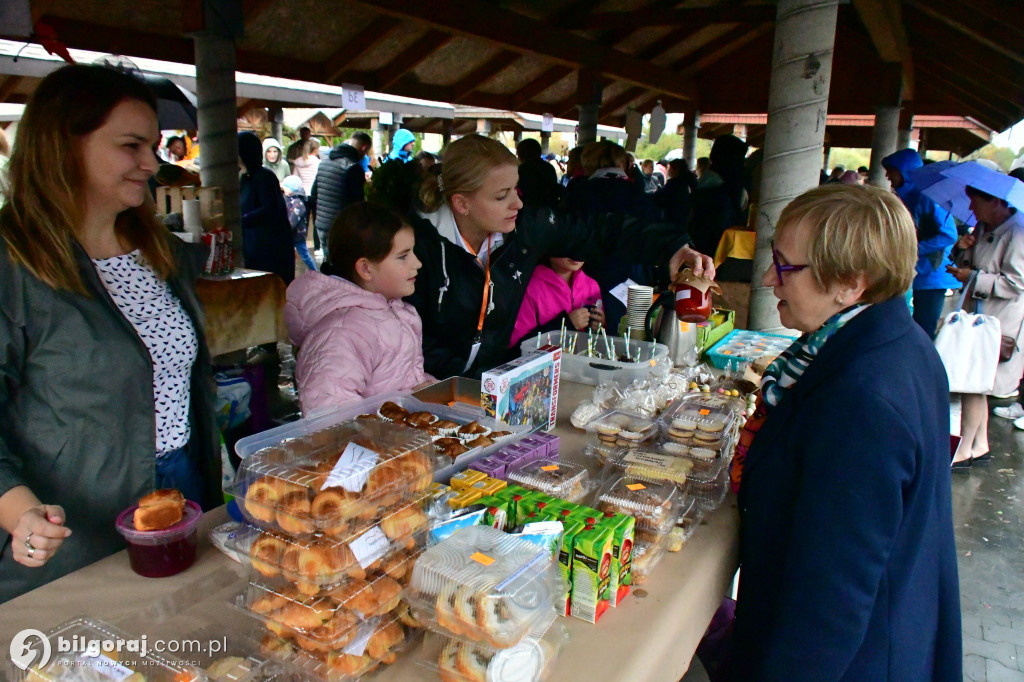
x,y
378,141
517,136
545,140
483,127
826,155
588,102
904,138
275,115
805,32
218,128
691,126
740,131
883,142
446,135
922,142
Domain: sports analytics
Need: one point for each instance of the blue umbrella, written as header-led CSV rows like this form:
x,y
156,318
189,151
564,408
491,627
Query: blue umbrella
x,y
950,193
928,174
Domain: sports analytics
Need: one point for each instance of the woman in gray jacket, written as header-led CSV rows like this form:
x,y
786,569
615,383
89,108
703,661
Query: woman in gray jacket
x,y
105,387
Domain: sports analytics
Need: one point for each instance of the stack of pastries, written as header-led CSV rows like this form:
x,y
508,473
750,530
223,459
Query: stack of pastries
x,y
337,520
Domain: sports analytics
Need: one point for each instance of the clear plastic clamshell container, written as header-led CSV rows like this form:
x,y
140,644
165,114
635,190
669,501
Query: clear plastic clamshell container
x,y
647,552
377,642
483,585
563,480
654,504
530,660
89,659
709,488
320,562
239,661
701,420
334,480
650,465
619,428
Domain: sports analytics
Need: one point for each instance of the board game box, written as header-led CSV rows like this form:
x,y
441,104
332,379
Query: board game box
x,y
525,390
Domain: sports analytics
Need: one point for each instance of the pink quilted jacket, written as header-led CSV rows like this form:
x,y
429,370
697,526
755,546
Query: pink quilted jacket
x,y
352,343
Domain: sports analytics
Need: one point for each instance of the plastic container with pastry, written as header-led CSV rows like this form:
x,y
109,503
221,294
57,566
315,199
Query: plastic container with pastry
x,y
80,666
708,489
484,586
650,465
647,552
707,417
530,660
654,504
619,428
238,659
340,486
164,552
563,480
318,562
376,642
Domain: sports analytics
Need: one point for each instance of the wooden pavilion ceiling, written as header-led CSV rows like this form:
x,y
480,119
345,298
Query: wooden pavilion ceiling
x,y
948,57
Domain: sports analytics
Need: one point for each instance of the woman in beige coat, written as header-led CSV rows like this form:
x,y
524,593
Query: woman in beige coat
x,y
996,251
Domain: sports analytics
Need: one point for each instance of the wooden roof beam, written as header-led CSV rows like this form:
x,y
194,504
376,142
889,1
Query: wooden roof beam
x,y
417,53
694,17
347,54
616,103
884,22
483,73
537,86
514,31
719,49
252,9
8,87
970,89
927,33
958,17
961,92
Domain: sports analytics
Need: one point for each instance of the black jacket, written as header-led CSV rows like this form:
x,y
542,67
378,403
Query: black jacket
x,y
339,183
538,184
449,287
77,419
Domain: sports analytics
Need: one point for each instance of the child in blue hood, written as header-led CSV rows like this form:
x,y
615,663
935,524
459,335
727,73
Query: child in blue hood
x,y
402,145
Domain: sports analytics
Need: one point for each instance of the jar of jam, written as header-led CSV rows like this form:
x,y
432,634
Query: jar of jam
x,y
160,553
692,304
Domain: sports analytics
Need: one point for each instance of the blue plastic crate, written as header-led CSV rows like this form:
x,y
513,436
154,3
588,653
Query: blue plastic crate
x,y
740,346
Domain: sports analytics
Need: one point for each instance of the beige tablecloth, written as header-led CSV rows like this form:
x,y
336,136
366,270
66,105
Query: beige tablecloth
x,y
651,636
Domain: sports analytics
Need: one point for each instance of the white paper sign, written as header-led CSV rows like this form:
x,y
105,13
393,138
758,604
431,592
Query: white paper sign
x,y
370,546
385,118
547,123
358,645
621,291
682,294
353,468
353,96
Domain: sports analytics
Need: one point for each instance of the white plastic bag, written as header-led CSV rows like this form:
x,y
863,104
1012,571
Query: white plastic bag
x,y
969,347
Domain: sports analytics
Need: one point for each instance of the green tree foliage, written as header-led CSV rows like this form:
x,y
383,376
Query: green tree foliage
x,y
1004,156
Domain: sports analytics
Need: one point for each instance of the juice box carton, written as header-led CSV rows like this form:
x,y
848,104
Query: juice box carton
x,y
571,527
525,390
496,514
591,572
623,531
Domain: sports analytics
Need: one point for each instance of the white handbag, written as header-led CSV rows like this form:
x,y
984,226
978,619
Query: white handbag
x,y
968,344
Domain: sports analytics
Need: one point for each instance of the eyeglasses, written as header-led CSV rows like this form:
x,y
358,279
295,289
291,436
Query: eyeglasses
x,y
780,268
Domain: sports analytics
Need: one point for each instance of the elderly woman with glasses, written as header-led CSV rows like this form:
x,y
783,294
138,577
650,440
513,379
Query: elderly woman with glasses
x,y
848,565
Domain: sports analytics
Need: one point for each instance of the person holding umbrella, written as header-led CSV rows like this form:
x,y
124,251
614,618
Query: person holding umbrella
x,y
992,265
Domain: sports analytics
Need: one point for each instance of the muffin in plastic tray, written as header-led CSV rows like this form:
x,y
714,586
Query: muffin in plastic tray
x,y
378,641
654,504
320,561
648,550
334,480
457,660
622,429
651,466
89,662
563,480
708,490
483,585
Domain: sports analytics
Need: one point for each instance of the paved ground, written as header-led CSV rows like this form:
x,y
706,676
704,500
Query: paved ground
x,y
988,510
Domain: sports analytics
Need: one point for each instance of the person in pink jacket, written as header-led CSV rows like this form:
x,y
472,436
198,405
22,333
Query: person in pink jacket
x,y
355,336
556,292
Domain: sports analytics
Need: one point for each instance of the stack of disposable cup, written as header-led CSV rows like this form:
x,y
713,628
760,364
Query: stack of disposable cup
x,y
638,301
190,216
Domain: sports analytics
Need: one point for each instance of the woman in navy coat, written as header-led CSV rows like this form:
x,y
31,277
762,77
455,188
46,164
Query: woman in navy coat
x,y
848,564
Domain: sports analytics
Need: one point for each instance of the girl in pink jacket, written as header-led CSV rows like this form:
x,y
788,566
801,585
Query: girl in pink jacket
x,y
355,335
561,291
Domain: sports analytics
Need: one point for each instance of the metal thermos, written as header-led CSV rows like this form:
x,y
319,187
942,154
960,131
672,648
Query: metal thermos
x,y
664,327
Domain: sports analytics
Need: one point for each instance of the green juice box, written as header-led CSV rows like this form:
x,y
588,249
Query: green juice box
x,y
591,572
623,530
570,529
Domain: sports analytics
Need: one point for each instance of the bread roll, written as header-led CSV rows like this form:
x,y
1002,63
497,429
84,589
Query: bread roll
x,y
160,509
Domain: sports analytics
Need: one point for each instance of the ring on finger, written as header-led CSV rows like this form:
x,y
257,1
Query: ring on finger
x,y
30,549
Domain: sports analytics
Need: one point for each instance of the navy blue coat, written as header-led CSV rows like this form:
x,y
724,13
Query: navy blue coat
x,y
848,564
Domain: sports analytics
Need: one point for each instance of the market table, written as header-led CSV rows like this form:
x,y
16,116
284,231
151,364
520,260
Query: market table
x,y
243,309
651,636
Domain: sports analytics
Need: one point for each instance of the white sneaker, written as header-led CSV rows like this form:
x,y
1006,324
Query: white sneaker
x,y
1015,411
1012,394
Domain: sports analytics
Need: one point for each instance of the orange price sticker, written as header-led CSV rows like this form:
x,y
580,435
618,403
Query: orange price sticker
x,y
705,413
636,486
550,467
482,559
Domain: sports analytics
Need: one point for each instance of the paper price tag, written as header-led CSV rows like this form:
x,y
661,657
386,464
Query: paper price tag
x,y
358,645
704,412
682,294
636,486
353,468
354,96
104,667
549,467
370,546
547,123
482,559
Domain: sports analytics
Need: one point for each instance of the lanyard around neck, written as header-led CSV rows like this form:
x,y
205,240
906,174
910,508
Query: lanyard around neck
x,y
487,281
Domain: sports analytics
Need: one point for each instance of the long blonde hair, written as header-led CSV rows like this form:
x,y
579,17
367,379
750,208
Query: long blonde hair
x,y
465,164
45,177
